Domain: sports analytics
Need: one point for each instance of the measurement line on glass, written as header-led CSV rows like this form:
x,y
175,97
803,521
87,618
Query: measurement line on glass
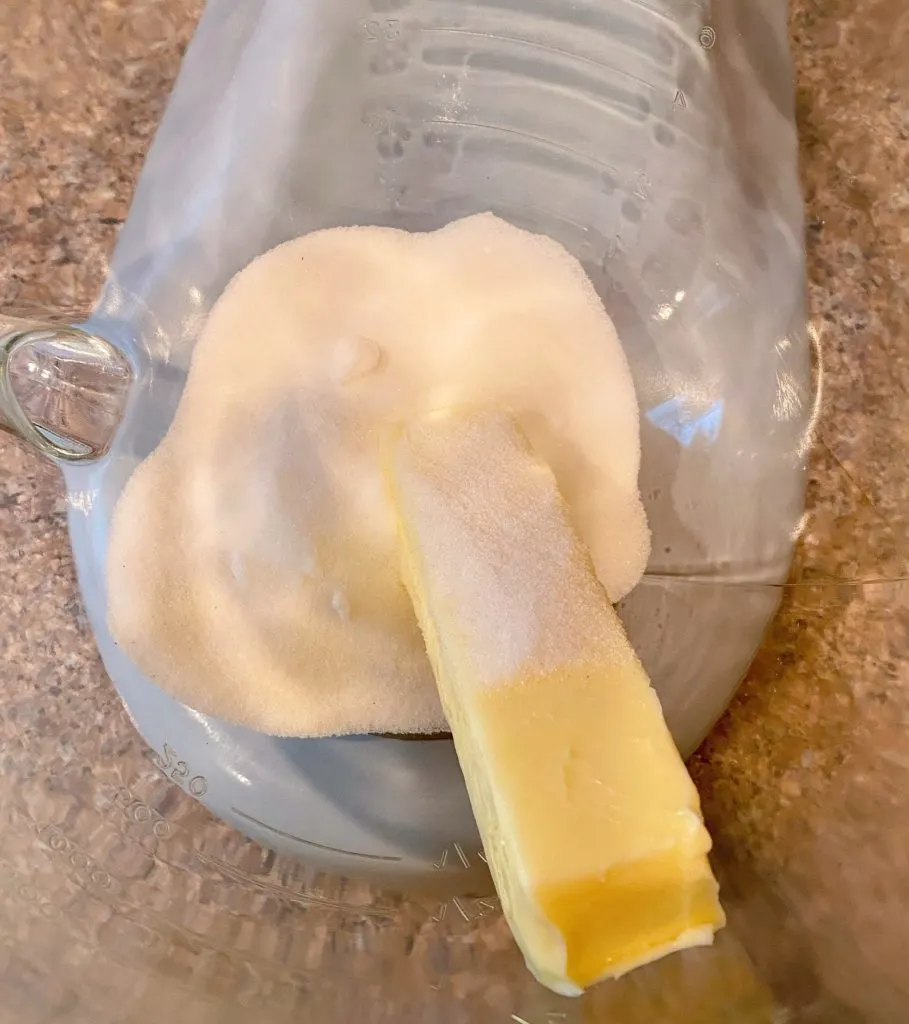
x,y
304,897
377,30
531,43
311,842
640,4
706,39
551,1015
592,160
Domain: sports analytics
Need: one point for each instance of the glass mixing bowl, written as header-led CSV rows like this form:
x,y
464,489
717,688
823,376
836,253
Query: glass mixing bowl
x,y
218,874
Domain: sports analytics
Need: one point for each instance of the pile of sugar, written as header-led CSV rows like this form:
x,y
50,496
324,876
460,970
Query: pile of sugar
x,y
253,568
497,547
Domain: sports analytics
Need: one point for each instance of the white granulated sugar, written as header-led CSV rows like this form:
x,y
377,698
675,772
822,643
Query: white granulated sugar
x,y
496,546
253,567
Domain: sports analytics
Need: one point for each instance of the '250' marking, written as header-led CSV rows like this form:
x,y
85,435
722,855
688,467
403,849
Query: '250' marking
x,y
180,772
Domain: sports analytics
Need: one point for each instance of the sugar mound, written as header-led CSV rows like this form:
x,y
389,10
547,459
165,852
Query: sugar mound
x,y
253,568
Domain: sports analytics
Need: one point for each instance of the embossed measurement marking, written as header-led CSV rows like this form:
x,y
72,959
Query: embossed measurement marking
x,y
707,37
136,811
642,186
376,30
458,851
376,123
17,887
310,842
179,771
86,869
470,909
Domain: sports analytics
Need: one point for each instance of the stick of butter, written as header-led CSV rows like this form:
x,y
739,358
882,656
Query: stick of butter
x,y
590,821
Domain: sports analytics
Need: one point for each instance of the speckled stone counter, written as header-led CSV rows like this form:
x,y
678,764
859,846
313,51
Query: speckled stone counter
x,y
805,781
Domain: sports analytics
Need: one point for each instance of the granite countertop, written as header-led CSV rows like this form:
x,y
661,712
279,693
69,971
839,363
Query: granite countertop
x,y
805,781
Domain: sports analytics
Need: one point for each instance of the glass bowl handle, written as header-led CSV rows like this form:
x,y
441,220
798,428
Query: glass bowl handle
x,y
62,389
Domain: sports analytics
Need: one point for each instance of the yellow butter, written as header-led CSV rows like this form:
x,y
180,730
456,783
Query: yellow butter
x,y
590,822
